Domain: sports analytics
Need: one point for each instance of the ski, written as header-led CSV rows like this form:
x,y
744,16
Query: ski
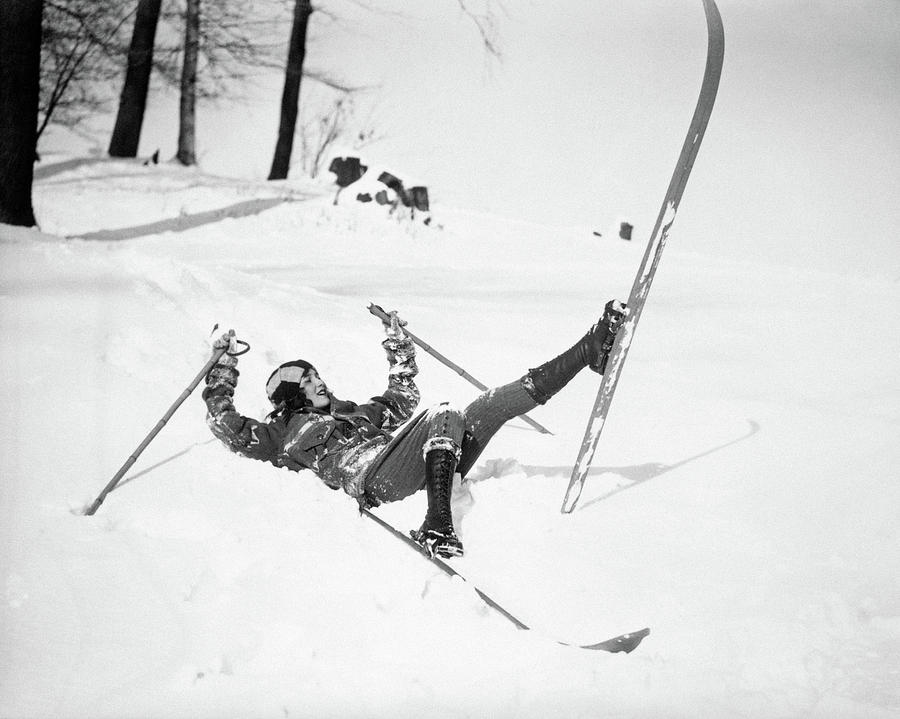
x,y
622,643
714,57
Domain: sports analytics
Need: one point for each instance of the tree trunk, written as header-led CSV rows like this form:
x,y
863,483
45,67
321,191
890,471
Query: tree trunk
x,y
127,132
20,66
187,109
290,97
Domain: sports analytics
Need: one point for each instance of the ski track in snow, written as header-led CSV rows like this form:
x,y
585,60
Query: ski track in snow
x,y
741,502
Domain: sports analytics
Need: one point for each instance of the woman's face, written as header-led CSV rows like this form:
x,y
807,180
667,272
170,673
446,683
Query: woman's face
x,y
315,389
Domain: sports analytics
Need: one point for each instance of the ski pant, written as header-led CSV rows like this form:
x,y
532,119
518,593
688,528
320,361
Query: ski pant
x,y
399,470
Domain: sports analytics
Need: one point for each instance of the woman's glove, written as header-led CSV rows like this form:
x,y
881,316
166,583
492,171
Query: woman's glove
x,y
224,373
228,342
401,352
393,326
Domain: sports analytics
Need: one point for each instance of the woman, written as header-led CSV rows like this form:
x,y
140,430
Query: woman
x,y
353,446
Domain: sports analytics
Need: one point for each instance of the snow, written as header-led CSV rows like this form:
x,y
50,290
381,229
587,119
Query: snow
x,y
741,503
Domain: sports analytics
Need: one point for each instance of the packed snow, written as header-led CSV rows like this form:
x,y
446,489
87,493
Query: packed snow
x,y
743,500
742,504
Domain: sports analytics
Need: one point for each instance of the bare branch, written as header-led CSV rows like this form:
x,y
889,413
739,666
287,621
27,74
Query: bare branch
x,y
486,23
81,50
323,79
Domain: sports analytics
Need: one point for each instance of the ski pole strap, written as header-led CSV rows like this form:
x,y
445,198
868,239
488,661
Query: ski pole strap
x,y
241,352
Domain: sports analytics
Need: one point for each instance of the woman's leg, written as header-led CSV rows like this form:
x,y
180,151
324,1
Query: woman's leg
x,y
424,456
487,414
492,409
400,469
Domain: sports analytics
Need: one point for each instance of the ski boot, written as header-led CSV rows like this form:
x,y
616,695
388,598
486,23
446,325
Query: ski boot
x,y
436,536
592,351
604,334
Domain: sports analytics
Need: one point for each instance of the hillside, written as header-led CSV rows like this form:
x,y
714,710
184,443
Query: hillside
x,y
742,502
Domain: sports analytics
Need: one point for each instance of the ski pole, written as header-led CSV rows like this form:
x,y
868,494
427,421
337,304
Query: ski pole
x,y
382,315
162,422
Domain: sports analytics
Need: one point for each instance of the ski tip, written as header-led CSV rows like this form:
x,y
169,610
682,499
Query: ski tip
x,y
623,643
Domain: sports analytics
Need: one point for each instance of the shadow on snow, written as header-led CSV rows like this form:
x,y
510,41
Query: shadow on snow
x,y
635,474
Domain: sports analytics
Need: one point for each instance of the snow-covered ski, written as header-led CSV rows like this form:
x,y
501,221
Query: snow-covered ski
x,y
622,643
714,57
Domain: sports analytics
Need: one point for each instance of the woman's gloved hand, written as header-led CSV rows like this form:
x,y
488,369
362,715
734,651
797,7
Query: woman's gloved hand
x,y
393,326
228,342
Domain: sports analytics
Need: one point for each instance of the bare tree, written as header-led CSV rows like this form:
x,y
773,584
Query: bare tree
x,y
236,38
20,56
319,134
187,106
133,100
223,41
323,132
290,96
80,51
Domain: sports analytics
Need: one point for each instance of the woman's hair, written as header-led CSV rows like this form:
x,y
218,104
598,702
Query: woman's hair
x,y
289,406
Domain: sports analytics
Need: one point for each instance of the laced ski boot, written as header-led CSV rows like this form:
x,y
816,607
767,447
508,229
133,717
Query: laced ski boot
x,y
592,351
436,535
604,333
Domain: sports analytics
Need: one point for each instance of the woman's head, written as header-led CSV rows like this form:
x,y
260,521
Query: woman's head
x,y
295,385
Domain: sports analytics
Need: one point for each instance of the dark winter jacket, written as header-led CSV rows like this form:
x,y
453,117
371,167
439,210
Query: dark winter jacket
x,y
338,444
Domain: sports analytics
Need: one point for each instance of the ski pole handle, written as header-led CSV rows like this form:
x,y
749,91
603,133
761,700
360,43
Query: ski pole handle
x,y
216,356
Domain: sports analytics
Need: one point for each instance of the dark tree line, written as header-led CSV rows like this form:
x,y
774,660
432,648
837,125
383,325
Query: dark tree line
x,y
55,54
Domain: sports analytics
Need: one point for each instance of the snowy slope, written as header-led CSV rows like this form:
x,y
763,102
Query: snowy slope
x,y
743,502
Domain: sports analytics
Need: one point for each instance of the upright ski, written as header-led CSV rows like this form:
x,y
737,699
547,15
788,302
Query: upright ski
x,y
622,643
714,56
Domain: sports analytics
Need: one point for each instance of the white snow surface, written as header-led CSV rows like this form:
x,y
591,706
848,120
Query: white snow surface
x,y
743,502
